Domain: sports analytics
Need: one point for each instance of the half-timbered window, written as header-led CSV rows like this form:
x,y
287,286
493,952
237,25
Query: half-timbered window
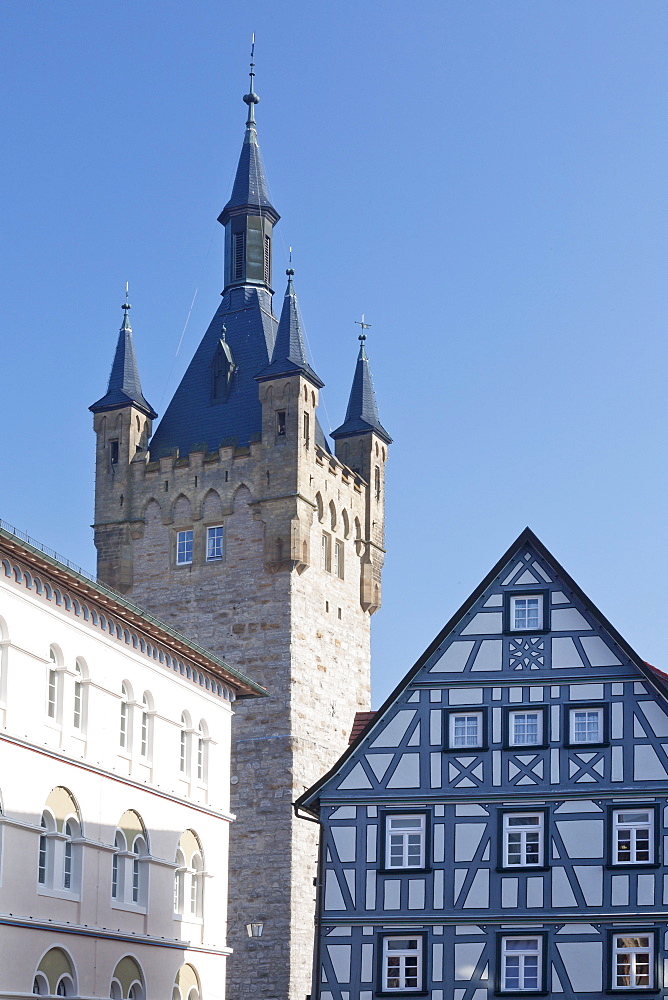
x,y
585,725
526,613
633,836
632,961
523,839
402,964
405,837
525,728
465,730
521,964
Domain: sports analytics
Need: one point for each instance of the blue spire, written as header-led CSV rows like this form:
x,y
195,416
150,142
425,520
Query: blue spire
x,y
289,355
124,387
250,186
362,413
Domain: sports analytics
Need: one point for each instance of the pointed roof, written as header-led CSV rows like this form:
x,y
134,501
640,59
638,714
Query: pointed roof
x,y
289,355
508,573
250,185
124,386
362,413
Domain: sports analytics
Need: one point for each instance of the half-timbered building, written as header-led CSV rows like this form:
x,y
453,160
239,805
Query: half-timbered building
x,y
498,827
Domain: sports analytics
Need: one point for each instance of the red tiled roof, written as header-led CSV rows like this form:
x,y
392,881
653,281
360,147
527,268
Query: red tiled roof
x,y
360,723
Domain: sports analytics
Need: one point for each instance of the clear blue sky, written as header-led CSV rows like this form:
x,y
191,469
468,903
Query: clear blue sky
x,y
485,180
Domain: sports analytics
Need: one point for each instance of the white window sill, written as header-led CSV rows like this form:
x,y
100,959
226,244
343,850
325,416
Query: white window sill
x,y
43,890
128,907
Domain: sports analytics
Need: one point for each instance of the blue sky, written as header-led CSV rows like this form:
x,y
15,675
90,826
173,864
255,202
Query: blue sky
x,y
484,180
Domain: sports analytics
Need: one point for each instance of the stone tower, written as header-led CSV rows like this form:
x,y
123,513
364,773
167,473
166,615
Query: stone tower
x,y
237,524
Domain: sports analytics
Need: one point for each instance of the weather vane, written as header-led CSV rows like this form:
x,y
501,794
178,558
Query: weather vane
x,y
126,305
365,326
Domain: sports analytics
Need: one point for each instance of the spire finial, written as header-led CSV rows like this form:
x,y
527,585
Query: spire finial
x,y
126,308
364,326
251,99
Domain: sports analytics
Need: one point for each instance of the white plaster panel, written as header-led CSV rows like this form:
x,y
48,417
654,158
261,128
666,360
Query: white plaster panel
x,y
496,725
366,971
470,809
395,730
435,770
460,875
586,692
578,929
372,811
439,810
535,694
617,765
554,691
515,694
379,763
568,620
414,698
620,890
392,894
556,982
454,658
638,729
439,842
509,893
459,994
559,598
598,652
488,656
656,717
514,571
583,961
484,623
617,720
554,767
646,764
495,601
416,893
342,931
339,956
466,696
370,897
562,894
435,995
435,695
583,838
645,890
541,572
535,891
349,874
590,878
435,735
665,889
639,688
479,994
526,577
333,894
578,806
407,773
468,929
467,956
344,812
437,962
467,839
438,889
554,723
344,841
326,995
357,779
478,894
371,843
496,767
414,741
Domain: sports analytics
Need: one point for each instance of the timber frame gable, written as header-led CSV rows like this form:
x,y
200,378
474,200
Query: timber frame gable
x,y
511,793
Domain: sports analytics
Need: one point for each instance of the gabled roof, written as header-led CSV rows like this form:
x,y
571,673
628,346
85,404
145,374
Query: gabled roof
x,y
362,413
310,799
124,386
289,356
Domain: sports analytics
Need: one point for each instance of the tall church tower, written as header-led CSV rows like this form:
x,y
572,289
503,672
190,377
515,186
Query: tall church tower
x,y
237,524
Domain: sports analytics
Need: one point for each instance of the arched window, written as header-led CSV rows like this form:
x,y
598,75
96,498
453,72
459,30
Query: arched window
x,y
117,867
129,871
376,482
179,874
42,863
196,886
186,984
128,981
40,986
138,870
184,750
146,720
52,689
189,877
67,857
78,688
55,975
123,726
202,751
115,992
65,987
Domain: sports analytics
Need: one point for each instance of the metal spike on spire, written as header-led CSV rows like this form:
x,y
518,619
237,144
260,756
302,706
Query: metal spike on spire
x,y
126,307
251,98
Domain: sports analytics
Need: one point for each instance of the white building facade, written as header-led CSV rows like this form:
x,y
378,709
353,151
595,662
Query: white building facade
x,y
114,785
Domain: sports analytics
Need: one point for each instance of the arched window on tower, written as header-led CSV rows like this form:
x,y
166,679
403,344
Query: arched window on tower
x,y
376,482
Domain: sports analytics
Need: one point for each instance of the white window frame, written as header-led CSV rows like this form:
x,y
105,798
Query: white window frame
x,y
402,954
215,552
522,954
326,552
583,709
452,725
184,547
338,559
632,827
633,951
539,713
514,598
403,835
538,828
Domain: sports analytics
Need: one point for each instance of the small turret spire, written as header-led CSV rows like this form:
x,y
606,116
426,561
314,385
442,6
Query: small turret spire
x,y
362,413
289,357
124,387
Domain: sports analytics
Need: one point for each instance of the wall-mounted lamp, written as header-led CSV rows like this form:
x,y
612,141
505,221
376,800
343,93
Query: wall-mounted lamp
x,y
254,930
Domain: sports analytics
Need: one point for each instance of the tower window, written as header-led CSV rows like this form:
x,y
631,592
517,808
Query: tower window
x,y
239,254
307,429
184,548
113,452
326,552
214,543
376,482
267,259
338,559
280,423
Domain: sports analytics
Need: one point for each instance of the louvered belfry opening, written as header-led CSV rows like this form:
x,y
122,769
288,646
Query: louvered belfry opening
x,y
239,255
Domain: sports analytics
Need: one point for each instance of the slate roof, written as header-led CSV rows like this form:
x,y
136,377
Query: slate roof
x,y
124,385
362,413
250,183
289,355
